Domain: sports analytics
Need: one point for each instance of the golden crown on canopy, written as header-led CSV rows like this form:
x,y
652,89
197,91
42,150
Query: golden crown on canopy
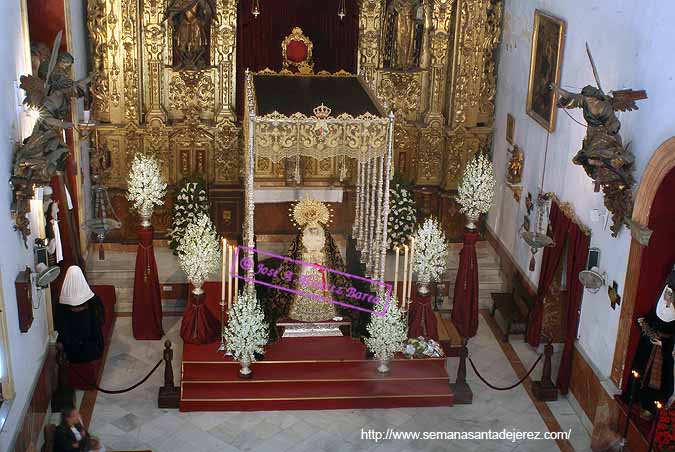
x,y
310,212
322,112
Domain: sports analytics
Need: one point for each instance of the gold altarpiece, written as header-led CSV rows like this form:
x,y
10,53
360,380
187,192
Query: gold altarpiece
x,y
443,99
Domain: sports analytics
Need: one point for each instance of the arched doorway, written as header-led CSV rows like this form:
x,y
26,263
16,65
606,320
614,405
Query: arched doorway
x,y
647,265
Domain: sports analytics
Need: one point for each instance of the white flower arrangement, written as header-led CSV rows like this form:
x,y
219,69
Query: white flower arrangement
x,y
246,332
199,250
145,186
402,214
430,260
190,201
476,194
387,332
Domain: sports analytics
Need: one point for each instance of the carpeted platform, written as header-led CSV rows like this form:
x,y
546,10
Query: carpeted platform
x,y
309,373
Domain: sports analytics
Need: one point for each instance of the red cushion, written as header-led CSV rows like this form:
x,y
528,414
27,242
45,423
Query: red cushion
x,y
296,51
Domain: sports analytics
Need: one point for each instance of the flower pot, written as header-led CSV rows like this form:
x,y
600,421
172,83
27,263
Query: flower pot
x,y
145,218
197,288
245,372
423,288
383,368
472,221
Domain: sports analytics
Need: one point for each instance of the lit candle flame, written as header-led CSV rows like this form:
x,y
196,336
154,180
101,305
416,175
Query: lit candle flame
x,y
658,404
635,374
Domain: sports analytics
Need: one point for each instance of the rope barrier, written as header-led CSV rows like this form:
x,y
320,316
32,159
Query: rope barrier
x,y
117,391
506,388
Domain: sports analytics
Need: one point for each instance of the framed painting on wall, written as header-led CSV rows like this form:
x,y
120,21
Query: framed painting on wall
x,y
548,36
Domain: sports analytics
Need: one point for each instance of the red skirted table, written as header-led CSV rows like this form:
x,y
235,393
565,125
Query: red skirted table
x,y
465,300
421,318
146,317
200,325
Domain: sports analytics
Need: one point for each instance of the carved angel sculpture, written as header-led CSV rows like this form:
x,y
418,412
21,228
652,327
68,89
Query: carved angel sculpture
x,y
603,156
191,20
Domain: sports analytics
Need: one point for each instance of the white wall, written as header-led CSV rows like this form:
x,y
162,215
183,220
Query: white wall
x,y
632,46
27,350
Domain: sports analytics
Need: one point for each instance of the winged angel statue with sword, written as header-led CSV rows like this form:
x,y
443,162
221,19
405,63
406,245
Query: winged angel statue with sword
x,y
603,155
43,153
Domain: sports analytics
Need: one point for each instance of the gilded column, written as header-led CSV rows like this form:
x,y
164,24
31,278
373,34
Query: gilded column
x,y
154,36
370,39
223,50
441,14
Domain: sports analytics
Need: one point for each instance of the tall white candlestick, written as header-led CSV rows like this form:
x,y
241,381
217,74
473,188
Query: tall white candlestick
x,y
405,274
229,277
223,244
396,248
412,259
236,274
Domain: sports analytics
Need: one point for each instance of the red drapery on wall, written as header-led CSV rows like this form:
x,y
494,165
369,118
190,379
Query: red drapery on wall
x,y
549,264
259,40
577,256
657,260
146,316
465,300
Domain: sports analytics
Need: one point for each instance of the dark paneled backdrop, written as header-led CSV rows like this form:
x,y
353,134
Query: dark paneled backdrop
x,y
259,40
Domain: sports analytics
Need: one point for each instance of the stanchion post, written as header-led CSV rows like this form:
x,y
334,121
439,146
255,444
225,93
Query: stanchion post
x,y
460,388
64,396
544,389
169,394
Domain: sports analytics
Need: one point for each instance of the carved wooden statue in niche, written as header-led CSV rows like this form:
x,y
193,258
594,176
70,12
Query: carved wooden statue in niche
x,y
191,22
404,34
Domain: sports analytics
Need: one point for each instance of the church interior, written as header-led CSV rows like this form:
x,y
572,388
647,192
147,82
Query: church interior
x,y
337,225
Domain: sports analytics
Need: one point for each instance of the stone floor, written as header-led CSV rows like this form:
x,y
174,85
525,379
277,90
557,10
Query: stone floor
x,y
131,421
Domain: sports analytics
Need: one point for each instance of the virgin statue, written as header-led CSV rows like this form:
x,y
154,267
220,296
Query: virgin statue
x,y
654,356
309,281
191,21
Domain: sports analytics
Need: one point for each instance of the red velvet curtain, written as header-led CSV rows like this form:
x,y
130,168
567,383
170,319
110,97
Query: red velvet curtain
x,y
577,257
549,264
146,316
657,260
465,300
259,39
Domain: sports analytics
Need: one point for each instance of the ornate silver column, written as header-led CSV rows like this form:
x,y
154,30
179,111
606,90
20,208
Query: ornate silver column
x,y
385,203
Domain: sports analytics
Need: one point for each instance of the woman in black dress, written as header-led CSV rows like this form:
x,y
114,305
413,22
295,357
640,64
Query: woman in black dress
x,y
81,320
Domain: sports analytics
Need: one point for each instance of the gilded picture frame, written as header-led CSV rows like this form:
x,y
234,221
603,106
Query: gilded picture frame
x,y
510,129
548,39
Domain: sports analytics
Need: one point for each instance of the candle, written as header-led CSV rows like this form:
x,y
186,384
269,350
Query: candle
x,y
659,405
412,255
229,277
236,273
223,246
632,394
396,249
405,273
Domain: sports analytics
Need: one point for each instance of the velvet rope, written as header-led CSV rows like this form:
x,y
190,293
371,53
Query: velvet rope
x,y
116,391
504,388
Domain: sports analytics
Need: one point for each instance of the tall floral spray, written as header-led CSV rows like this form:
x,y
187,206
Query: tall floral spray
x,y
190,201
402,213
145,186
430,260
246,332
387,333
476,194
199,251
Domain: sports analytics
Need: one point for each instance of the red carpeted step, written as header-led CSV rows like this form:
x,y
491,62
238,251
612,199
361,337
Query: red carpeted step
x,y
315,404
275,370
290,349
256,389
